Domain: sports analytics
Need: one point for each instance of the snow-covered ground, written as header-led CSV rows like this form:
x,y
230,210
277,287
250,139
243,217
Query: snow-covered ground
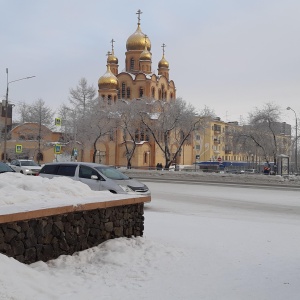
x,y
201,252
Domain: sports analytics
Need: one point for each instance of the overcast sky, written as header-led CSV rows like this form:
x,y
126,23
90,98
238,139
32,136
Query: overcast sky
x,y
229,55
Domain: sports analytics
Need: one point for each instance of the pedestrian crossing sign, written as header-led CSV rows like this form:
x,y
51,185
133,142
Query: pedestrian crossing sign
x,y
57,149
58,121
18,148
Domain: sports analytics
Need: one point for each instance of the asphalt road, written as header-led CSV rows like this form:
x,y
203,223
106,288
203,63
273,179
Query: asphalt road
x,y
240,180
201,197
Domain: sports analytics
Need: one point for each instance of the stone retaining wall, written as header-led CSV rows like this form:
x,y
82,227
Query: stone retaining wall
x,y
50,236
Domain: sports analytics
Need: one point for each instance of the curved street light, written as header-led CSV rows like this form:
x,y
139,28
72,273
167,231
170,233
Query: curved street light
x,y
296,139
6,109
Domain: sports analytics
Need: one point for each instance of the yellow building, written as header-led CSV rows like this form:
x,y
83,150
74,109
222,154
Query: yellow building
x,y
26,137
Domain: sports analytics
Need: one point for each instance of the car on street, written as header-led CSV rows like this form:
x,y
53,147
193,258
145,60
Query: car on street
x,y
251,171
25,166
97,176
5,168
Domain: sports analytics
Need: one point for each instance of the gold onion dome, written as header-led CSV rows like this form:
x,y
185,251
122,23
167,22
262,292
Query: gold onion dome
x,y
137,41
145,55
108,80
112,59
163,63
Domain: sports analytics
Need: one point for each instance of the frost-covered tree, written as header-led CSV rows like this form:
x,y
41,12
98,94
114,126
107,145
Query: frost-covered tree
x,y
131,126
37,113
261,134
82,96
170,123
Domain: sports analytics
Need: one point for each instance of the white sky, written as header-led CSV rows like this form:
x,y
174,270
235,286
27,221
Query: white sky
x,y
189,250
229,55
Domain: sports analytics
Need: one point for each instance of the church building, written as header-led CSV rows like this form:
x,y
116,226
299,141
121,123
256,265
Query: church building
x,y
138,80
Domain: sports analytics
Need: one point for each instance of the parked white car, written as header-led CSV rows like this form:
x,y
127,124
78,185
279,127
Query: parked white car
x,y
98,177
25,166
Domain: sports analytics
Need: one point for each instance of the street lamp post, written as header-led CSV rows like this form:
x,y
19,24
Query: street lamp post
x,y
6,109
296,140
148,152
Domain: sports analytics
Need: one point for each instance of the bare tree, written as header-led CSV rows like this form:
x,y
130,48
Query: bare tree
x,y
77,117
170,123
130,124
82,96
23,109
40,114
262,132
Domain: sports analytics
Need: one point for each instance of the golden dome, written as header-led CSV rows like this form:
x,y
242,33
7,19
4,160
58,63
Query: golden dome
x,y
108,80
112,59
163,63
137,41
145,55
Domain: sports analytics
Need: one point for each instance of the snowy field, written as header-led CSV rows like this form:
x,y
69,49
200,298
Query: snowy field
x,y
200,242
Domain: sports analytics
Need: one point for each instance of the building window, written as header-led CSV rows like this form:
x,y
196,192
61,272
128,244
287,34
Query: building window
x,y
153,93
159,94
142,135
131,64
128,93
109,100
123,90
197,147
141,92
147,135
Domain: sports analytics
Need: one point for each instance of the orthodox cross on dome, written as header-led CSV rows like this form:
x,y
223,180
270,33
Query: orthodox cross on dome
x,y
112,45
139,12
164,46
108,54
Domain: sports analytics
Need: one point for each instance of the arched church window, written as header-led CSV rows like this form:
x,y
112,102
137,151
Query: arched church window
x,y
123,90
141,92
131,64
159,94
171,95
109,100
153,92
128,93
